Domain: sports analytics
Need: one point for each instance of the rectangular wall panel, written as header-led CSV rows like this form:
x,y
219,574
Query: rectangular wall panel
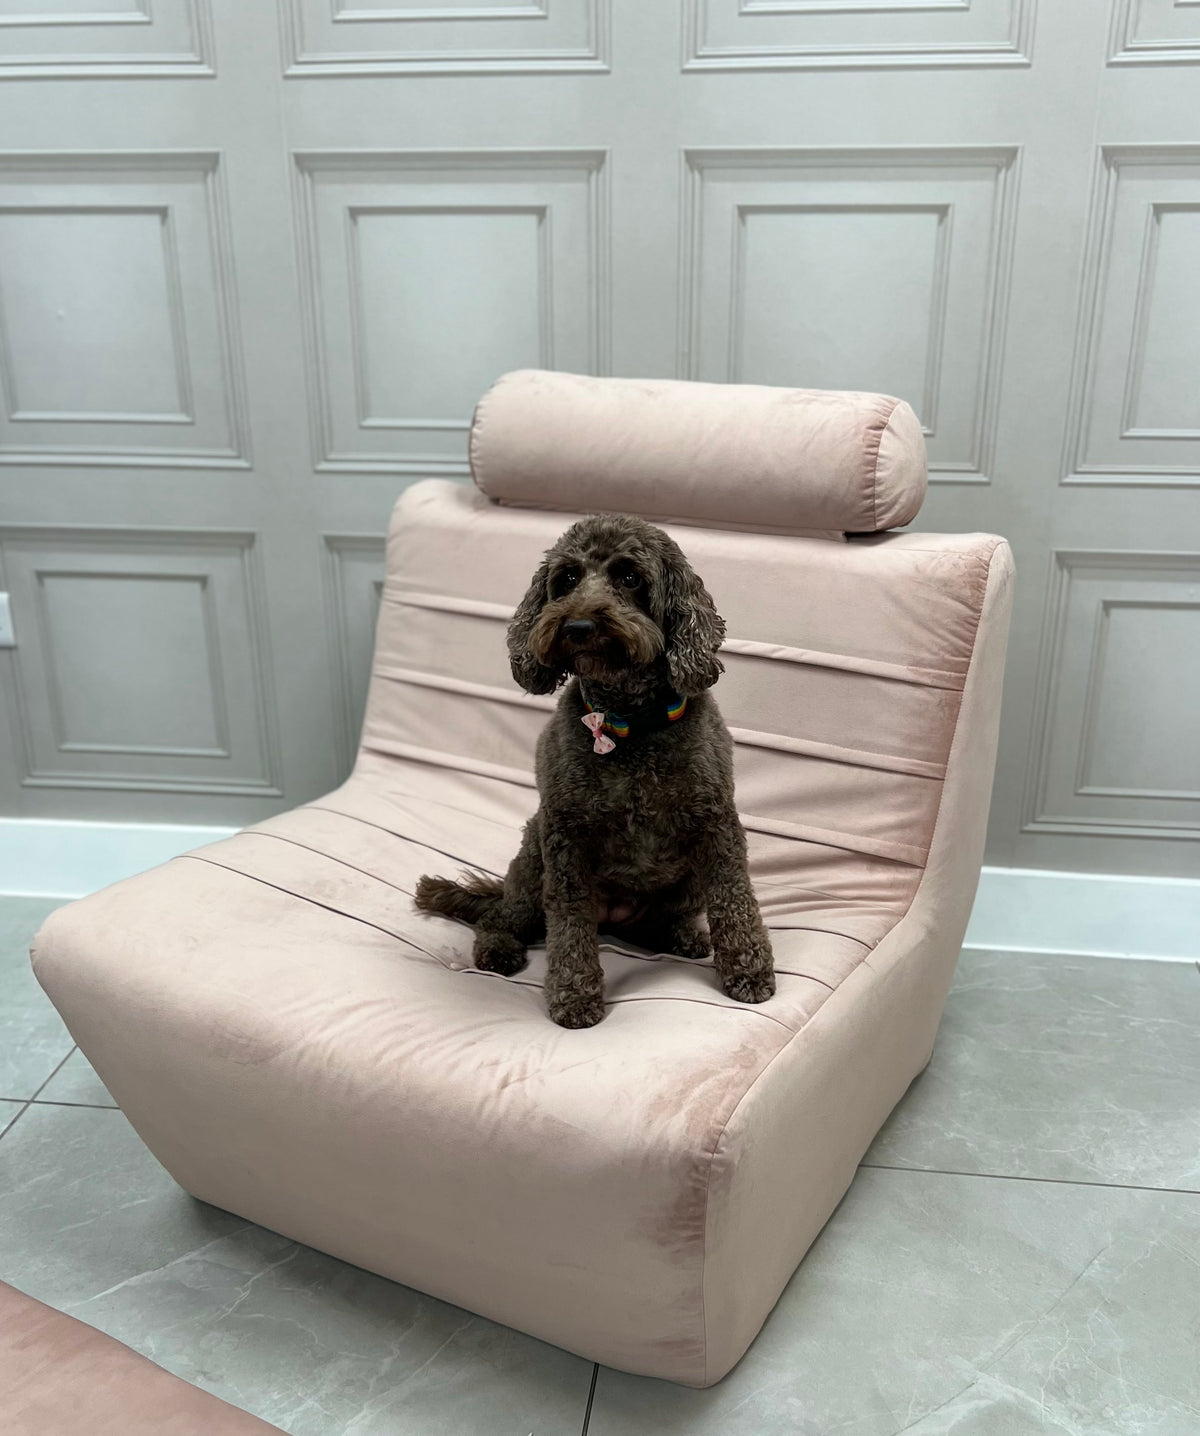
x,y
1155,32
429,37
102,39
815,34
354,565
782,281
428,274
1135,405
140,660
118,326
1115,748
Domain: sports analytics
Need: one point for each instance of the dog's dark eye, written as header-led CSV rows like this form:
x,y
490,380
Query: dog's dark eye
x,y
569,577
630,579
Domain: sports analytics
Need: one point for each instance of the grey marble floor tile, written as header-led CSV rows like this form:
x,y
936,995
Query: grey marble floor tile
x,y
93,1225
319,1347
976,1306
9,1112
76,1081
84,1206
1080,1069
33,1040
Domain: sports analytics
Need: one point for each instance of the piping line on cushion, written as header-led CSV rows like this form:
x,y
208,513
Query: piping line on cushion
x,y
444,683
779,926
391,832
450,760
605,946
848,662
744,647
780,742
749,737
327,907
839,898
423,800
354,867
749,1008
835,753
824,837
396,887
448,603
851,843
329,857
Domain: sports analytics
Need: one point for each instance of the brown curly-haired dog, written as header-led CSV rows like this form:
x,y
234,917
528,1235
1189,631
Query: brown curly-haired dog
x,y
637,828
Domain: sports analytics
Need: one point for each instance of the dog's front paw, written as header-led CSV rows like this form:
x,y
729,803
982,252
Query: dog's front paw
x,y
747,975
498,952
571,1008
751,986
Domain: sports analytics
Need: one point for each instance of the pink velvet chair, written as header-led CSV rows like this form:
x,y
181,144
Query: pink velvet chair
x,y
295,1043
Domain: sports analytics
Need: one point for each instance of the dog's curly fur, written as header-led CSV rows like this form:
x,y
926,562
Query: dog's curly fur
x,y
645,838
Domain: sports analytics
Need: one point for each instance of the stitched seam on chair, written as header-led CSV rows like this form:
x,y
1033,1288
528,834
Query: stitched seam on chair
x,y
474,440
450,603
691,521
425,801
747,737
907,853
302,897
874,439
329,857
835,753
742,1008
844,662
469,863
744,647
436,758
354,867
445,683
404,837
807,927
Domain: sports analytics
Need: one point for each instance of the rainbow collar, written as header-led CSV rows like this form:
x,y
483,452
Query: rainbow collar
x,y
642,720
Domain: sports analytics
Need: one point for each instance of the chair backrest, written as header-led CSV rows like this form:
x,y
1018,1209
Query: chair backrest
x,y
845,660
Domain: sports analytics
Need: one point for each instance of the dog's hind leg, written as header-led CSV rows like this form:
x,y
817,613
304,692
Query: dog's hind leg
x,y
508,927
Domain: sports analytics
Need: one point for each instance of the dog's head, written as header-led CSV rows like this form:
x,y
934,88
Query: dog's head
x,y
615,600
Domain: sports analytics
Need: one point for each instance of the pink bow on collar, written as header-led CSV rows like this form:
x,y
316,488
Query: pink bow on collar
x,y
594,723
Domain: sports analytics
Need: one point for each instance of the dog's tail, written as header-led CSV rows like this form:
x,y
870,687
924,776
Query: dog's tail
x,y
474,897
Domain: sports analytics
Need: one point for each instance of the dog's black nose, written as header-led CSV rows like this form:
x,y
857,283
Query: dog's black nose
x,y
578,630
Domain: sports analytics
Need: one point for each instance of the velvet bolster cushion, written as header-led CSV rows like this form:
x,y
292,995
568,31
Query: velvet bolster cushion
x,y
742,456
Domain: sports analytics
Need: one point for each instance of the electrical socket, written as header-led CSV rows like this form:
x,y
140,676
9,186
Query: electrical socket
x,y
8,639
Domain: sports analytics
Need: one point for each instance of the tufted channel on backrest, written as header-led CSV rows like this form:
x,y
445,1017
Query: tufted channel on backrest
x,y
844,668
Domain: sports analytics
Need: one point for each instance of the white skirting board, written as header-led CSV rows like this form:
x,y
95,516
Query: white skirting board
x,y
1017,909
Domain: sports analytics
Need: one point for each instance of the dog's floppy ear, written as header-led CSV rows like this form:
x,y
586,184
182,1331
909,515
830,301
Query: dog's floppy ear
x,y
693,627
533,676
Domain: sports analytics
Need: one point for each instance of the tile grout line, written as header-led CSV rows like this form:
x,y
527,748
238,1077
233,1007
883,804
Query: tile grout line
x,y
587,1415
86,1106
29,1101
1014,1177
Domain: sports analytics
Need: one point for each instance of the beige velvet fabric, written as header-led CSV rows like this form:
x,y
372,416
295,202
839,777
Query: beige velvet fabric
x,y
743,456
59,1377
297,1044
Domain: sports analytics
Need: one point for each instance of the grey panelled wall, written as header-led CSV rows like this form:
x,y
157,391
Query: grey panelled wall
x,y
257,261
